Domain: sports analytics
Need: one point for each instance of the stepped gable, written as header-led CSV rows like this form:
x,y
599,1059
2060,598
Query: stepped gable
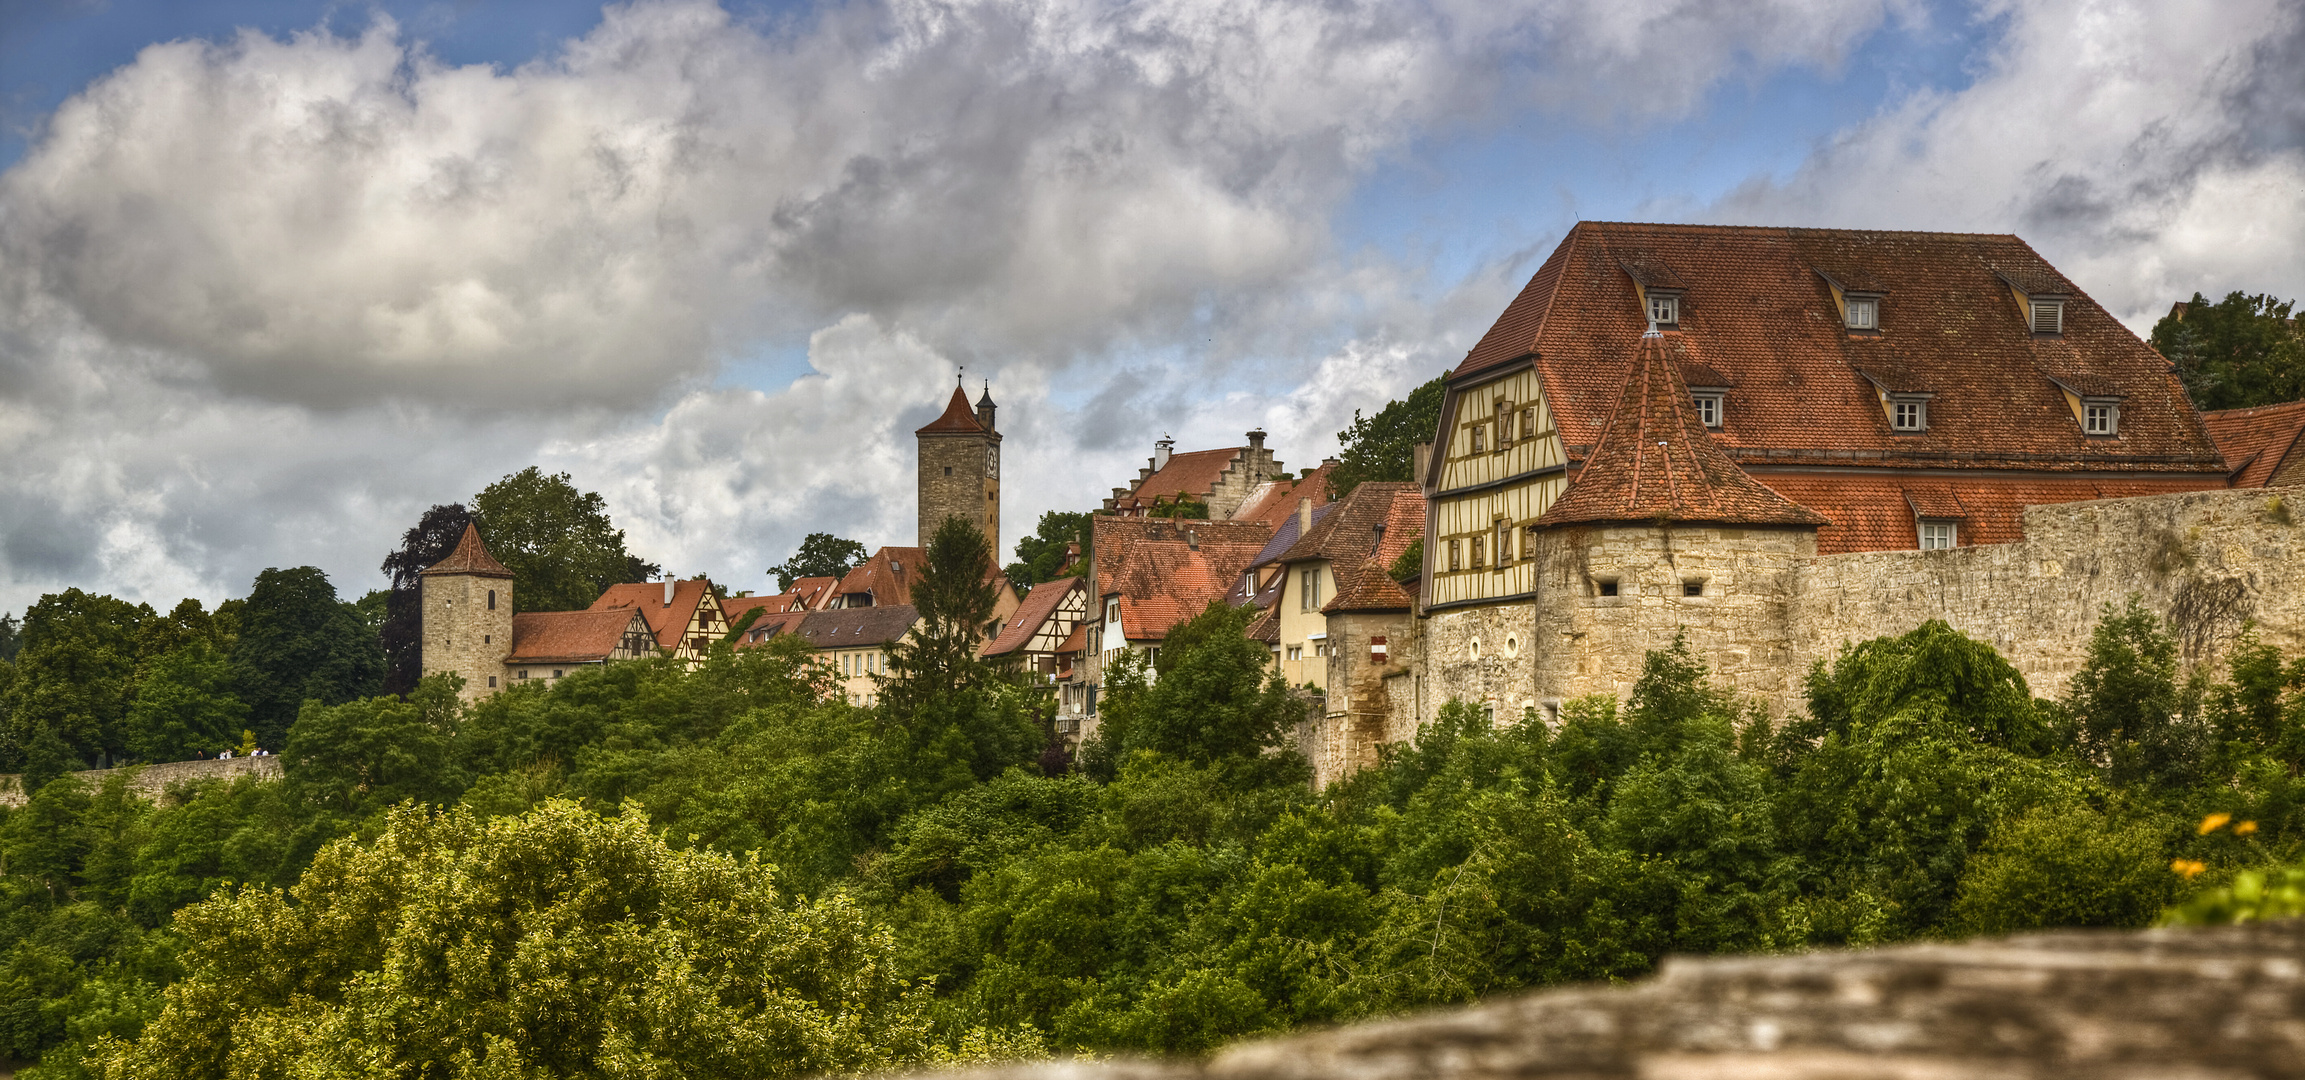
x,y
1348,534
1654,461
1805,390
470,557
668,621
1039,604
958,417
1276,499
2259,442
571,637
1367,587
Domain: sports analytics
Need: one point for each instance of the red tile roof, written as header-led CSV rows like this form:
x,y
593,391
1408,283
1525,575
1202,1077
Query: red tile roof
x,y
569,637
769,626
735,606
1347,535
856,628
1167,570
1274,500
668,621
958,417
1759,313
470,557
2257,442
1193,473
1876,512
888,575
1366,587
1039,606
810,593
1656,462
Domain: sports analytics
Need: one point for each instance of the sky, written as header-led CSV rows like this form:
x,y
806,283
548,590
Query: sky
x,y
275,277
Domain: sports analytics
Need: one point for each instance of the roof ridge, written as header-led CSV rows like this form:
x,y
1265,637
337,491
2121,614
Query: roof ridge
x,y
470,557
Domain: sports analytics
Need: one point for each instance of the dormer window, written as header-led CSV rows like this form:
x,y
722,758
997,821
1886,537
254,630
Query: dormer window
x,y
1908,412
1864,313
2100,416
2048,316
1708,406
1664,309
1938,535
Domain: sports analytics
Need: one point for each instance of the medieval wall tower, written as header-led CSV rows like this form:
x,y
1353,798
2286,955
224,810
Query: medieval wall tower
x,y
467,605
960,468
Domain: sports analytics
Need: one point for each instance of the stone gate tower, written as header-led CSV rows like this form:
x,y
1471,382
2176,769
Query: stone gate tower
x,y
960,468
467,605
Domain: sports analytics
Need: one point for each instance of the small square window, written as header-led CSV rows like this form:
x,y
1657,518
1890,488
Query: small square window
x,y
492,682
1456,548
1528,421
1480,438
2048,316
1709,409
1692,588
1664,310
1608,588
1938,535
1909,414
1476,564
523,673
2100,418
1864,313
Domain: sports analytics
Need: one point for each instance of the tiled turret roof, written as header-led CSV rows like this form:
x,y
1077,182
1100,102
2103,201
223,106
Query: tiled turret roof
x,y
470,557
958,416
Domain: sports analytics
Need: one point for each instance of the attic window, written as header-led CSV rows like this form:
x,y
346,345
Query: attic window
x,y
2100,416
1864,312
1909,412
1504,424
1664,309
1708,407
2048,316
1938,535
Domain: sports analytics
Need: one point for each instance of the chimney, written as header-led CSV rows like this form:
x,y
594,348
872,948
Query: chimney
x,y
1257,439
668,590
1304,517
1422,457
1161,451
1192,540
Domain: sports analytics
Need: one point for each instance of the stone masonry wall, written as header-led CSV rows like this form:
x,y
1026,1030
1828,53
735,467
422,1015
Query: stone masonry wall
x,y
967,493
1356,719
1481,655
2208,561
150,781
462,633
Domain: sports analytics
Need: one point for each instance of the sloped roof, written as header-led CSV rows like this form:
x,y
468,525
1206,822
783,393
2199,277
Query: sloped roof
x,y
470,557
810,593
888,575
1266,627
1193,473
958,418
1758,311
771,625
1039,606
669,622
569,637
1656,462
734,607
856,628
1875,512
2257,441
1365,586
1285,535
1167,570
1274,499
1349,535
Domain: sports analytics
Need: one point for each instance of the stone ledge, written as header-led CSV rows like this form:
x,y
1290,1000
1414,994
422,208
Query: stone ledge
x,y
151,780
2207,1003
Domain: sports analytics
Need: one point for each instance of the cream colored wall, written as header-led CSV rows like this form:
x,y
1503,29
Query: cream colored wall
x,y
1302,630
1460,518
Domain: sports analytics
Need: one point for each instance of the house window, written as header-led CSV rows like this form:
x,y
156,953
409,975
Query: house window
x,y
1296,652
2101,417
1692,588
1455,548
492,682
1528,421
1664,310
1937,535
1309,592
523,674
1609,587
1709,409
1112,611
1504,423
1480,438
948,470
1504,543
1864,313
1909,413
2048,316
1476,563
491,600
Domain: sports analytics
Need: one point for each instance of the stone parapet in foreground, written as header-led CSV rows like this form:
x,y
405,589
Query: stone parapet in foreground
x,y
150,781
2197,1004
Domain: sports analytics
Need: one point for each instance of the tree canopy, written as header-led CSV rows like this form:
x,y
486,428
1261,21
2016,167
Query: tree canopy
x,y
299,643
820,555
1042,555
431,539
2238,352
557,541
1383,447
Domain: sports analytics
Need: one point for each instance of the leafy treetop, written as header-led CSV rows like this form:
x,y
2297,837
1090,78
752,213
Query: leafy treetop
x,y
1383,447
2239,352
557,541
820,555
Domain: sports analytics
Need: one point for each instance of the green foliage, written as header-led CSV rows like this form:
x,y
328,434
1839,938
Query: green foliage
x,y
820,555
554,943
1383,447
2128,715
2064,864
557,541
1183,506
1042,556
1211,694
187,706
1411,564
72,683
370,753
2254,896
2238,352
298,643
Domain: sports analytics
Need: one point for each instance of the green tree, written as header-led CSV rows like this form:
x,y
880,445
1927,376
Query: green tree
x,y
11,636
557,541
1383,447
956,707
299,643
377,751
555,943
187,705
1212,694
2064,864
2129,716
74,678
433,538
2241,351
1042,556
820,555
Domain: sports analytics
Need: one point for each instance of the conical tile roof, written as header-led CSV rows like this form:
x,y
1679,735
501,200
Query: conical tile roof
x,y
958,416
470,557
1655,462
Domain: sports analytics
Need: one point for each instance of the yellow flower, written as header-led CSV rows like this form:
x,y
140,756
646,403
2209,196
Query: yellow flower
x,y
2244,828
2211,823
2188,867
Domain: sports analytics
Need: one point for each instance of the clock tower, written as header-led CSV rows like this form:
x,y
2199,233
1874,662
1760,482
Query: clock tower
x,y
960,468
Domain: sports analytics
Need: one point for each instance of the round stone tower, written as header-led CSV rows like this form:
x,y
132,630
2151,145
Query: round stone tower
x,y
467,605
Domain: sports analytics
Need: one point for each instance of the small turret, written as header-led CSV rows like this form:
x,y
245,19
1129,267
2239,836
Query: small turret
x,y
984,407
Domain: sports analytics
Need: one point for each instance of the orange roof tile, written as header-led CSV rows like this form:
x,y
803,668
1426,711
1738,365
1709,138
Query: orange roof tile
x,y
1759,313
958,417
1193,473
470,557
1656,462
1876,512
569,637
769,626
1366,587
888,575
669,622
1166,570
1039,606
856,628
810,593
1348,534
2257,442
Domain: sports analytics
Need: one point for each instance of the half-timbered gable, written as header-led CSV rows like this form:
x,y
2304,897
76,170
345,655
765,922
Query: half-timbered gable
x,y
1498,466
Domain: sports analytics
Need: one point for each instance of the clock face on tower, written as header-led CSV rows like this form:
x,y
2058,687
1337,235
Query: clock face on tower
x,y
992,462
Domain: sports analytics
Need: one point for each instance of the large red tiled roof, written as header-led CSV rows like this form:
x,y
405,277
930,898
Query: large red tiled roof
x,y
958,417
2257,442
1166,570
470,557
888,575
810,593
1758,312
769,626
1038,607
1876,512
1655,462
1348,533
856,628
1367,587
669,622
568,637
1193,473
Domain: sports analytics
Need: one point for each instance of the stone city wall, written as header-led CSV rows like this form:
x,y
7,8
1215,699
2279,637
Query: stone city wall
x,y
150,781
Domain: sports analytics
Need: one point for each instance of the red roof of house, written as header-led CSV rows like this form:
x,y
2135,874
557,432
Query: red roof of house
x,y
2257,442
1039,606
1367,587
1167,570
958,417
568,637
1347,534
470,557
1656,462
1758,311
810,593
1876,512
669,622
768,626
734,607
1272,501
888,575
1193,473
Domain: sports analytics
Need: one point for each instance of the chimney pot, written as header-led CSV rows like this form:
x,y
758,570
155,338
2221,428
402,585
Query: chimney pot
x,y
1304,517
668,590
1161,452
1257,439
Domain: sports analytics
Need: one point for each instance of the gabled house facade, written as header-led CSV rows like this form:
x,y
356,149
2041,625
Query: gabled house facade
x,y
1220,480
469,628
1034,636
1147,575
685,616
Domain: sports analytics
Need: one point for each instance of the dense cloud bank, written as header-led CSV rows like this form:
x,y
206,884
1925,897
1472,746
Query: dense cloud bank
x,y
263,299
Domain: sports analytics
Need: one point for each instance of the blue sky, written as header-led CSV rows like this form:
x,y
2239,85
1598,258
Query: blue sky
x,y
265,296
